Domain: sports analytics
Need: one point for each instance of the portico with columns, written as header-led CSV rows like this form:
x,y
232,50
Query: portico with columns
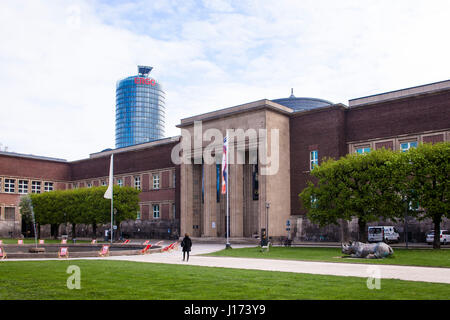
x,y
251,184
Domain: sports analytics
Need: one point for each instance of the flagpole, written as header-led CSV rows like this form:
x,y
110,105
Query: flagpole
x,y
228,197
112,196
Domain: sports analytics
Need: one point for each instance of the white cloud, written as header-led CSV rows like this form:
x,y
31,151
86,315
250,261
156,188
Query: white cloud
x,y
60,60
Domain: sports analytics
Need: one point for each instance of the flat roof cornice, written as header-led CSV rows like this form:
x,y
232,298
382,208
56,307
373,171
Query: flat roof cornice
x,y
227,112
135,147
430,88
31,156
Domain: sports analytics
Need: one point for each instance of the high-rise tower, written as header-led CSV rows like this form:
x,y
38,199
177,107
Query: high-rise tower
x,y
140,109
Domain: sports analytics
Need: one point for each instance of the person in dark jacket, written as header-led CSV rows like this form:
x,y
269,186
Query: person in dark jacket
x,y
186,244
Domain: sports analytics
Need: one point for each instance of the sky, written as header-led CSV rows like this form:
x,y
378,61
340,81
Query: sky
x,y
60,60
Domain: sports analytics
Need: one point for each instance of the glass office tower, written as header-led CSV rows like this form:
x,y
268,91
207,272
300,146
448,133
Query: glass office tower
x,y
140,109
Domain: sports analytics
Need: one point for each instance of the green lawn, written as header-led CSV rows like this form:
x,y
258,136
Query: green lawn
x,y
104,280
410,257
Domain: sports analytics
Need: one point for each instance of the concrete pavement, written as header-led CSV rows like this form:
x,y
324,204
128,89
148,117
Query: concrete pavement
x,y
425,274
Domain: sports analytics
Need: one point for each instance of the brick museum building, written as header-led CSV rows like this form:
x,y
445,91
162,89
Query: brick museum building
x,y
185,197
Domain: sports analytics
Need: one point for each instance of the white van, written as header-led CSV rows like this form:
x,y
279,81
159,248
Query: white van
x,y
383,234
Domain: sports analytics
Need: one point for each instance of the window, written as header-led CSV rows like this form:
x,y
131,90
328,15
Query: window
x,y
314,159
10,185
414,205
10,213
255,182
362,150
408,145
48,186
156,181
23,186
156,211
313,201
36,186
137,183
89,185
174,212
138,215
120,182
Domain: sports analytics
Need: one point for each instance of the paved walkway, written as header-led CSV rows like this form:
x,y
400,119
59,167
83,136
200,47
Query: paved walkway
x,y
425,274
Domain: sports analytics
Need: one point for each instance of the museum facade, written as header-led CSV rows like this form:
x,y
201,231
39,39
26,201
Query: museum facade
x,y
181,185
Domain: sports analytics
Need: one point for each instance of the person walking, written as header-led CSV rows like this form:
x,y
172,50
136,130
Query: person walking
x,y
186,244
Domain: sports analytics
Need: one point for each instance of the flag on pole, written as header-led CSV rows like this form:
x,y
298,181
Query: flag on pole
x,y
224,165
109,191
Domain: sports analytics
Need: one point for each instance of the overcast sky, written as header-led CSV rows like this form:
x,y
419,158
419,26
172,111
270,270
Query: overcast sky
x,y
60,60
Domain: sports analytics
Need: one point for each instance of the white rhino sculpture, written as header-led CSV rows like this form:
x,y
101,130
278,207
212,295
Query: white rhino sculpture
x,y
367,250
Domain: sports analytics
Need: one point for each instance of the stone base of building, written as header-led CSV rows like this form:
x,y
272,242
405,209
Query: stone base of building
x,y
305,230
136,229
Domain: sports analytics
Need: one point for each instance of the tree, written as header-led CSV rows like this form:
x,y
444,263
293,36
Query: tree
x,y
427,169
355,186
25,212
126,202
84,206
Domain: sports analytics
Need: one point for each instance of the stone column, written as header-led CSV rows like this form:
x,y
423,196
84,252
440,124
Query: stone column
x,y
186,199
210,201
236,200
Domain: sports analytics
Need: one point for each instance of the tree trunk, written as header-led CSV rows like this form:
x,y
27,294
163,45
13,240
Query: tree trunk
x,y
362,230
74,231
437,231
118,230
344,230
54,230
94,230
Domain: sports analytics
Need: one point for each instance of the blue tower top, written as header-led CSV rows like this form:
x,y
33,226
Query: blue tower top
x,y
140,109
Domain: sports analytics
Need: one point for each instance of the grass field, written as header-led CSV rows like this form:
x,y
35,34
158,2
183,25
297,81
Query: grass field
x,y
103,280
410,257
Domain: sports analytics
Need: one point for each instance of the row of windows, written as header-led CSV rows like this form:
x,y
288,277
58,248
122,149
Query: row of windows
x,y
154,95
157,212
140,110
139,91
124,111
136,132
140,121
23,186
144,101
138,88
149,125
155,182
314,155
136,140
404,147
130,86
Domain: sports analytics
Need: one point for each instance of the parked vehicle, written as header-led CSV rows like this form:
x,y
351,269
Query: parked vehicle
x,y
383,234
444,237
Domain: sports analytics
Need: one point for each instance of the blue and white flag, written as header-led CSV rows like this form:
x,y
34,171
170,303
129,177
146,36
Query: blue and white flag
x,y
224,165
109,191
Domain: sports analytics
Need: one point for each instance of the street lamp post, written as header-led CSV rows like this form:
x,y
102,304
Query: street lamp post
x,y
267,219
406,222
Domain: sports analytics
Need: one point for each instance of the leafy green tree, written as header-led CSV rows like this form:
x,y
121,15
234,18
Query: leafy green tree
x,y
25,210
126,203
355,186
84,206
427,171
